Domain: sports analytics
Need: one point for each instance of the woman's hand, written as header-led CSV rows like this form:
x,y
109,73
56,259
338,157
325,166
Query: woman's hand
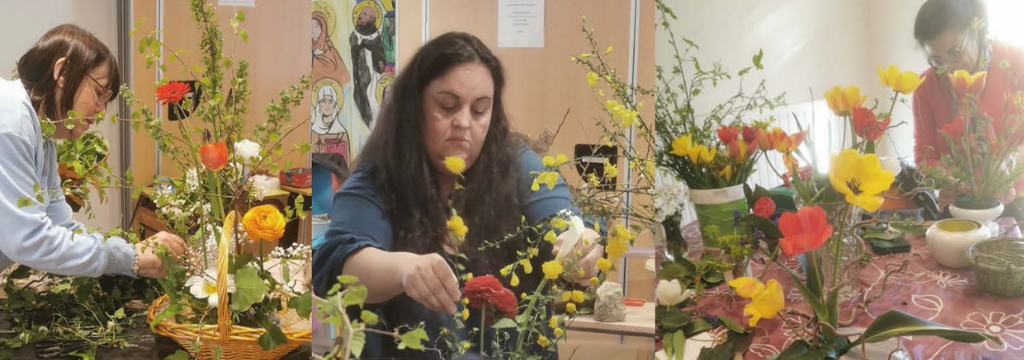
x,y
428,280
590,250
149,264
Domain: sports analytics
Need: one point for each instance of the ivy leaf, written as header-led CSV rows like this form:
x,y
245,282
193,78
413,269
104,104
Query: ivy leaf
x,y
273,338
303,304
250,289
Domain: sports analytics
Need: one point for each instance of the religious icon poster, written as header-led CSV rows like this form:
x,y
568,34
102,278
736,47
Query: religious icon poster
x,y
353,59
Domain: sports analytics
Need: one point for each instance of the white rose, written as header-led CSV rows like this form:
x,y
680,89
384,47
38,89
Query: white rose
x,y
248,150
671,293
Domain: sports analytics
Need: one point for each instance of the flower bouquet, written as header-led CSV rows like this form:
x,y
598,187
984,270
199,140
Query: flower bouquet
x,y
221,300
980,165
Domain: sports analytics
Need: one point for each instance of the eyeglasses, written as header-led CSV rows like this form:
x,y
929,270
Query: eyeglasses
x,y
102,96
938,61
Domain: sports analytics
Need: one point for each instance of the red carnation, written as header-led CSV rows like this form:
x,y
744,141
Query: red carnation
x,y
488,291
172,92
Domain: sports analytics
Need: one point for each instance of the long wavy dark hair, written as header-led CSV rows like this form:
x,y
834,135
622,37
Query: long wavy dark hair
x,y
407,181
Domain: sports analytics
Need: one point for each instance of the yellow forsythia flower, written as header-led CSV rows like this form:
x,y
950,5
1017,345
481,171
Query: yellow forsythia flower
x,y
595,281
548,178
527,266
550,237
608,51
592,78
552,269
457,226
465,301
559,223
455,164
264,222
465,314
610,170
505,270
515,280
534,251
543,341
553,322
559,332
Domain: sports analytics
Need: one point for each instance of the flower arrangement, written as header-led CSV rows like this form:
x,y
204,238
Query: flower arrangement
x,y
981,165
263,291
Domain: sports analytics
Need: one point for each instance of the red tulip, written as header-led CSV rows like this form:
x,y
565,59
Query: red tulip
x,y
172,92
728,134
804,230
214,156
749,134
955,129
764,207
867,126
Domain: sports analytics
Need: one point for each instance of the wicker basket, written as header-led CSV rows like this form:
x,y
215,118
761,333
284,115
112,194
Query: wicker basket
x,y
234,342
999,266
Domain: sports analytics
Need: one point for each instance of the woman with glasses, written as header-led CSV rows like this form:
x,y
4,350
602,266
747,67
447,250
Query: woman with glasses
x,y
68,71
954,36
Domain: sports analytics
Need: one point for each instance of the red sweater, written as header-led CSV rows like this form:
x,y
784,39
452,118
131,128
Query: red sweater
x,y
933,102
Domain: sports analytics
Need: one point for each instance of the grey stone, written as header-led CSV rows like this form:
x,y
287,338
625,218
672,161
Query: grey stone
x,y
609,307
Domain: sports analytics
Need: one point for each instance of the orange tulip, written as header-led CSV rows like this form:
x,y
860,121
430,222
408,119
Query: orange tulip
x,y
214,156
955,129
788,144
804,230
866,124
965,83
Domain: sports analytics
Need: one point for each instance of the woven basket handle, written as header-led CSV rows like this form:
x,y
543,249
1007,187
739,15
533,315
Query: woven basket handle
x,y
223,252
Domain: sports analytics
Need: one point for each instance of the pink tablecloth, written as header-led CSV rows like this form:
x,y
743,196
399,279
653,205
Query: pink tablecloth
x,y
926,290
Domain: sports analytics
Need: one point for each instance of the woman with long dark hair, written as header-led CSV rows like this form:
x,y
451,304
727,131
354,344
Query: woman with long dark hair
x,y
388,223
67,70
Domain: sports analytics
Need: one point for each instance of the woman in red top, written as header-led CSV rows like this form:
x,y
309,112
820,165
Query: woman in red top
x,y
945,29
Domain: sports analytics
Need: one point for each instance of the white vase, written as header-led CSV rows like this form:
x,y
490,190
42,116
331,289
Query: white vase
x,y
983,216
948,240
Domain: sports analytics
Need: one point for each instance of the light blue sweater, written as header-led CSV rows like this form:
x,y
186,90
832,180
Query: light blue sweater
x,y
44,236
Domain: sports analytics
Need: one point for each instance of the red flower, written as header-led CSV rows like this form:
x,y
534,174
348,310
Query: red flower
x,y
804,230
488,291
749,134
728,134
172,92
955,129
805,173
214,156
764,207
867,126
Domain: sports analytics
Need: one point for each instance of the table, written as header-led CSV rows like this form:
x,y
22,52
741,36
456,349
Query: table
x,y
926,290
587,338
639,322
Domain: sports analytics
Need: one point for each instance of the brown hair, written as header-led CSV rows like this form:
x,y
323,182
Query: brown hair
x,y
397,157
83,53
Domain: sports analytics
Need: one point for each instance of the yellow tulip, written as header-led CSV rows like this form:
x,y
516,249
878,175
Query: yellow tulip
x,y
861,178
843,100
902,82
747,287
681,145
767,303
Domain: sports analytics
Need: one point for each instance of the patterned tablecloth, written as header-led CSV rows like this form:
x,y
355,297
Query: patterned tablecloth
x,y
926,289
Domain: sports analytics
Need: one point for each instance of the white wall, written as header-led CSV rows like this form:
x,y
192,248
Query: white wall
x,y
22,22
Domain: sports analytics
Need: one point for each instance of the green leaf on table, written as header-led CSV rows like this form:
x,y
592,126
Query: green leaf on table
x,y
680,270
697,326
179,355
897,323
303,304
369,317
273,336
714,277
357,344
413,339
504,324
355,295
723,351
249,289
732,325
671,318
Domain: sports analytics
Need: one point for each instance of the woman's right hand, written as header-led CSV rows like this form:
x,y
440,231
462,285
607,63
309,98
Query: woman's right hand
x,y
149,264
428,280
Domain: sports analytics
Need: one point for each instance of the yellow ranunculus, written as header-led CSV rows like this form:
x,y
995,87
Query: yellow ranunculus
x,y
457,226
543,341
566,296
604,264
681,145
264,222
570,308
578,296
455,164
767,303
747,287
592,78
595,281
861,178
553,322
902,82
559,332
552,269
843,100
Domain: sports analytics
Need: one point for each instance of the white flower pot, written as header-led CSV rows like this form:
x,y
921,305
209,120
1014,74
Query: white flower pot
x,y
948,240
983,216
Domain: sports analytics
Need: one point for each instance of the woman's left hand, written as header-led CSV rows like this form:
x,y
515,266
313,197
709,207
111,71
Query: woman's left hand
x,y
591,251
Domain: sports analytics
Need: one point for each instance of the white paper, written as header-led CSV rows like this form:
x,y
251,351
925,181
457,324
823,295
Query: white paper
x,y
246,3
521,23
